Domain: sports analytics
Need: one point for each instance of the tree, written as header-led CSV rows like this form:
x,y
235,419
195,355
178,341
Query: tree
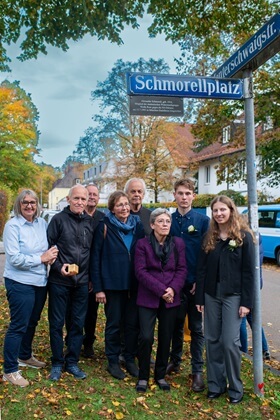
x,y
56,22
139,149
218,26
91,146
44,180
18,137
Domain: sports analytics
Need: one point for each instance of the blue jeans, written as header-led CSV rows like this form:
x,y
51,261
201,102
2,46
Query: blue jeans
x,y
60,297
244,338
195,326
26,303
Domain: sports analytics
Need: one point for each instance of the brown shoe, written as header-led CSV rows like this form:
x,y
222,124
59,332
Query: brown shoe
x,y
15,378
197,382
32,362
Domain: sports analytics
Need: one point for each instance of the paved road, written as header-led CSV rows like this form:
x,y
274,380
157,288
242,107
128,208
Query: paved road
x,y
270,306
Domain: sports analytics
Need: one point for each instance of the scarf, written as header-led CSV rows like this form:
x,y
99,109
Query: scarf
x,y
162,251
125,230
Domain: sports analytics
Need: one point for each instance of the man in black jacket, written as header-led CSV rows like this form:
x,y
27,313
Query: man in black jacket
x,y
92,310
71,231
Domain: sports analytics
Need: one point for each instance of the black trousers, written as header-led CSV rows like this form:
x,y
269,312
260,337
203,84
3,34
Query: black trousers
x,y
121,313
147,319
90,321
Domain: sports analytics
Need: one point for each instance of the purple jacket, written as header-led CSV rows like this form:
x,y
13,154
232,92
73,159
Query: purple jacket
x,y
153,279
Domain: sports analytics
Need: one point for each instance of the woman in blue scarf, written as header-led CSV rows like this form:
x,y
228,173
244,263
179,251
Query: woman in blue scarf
x,y
113,282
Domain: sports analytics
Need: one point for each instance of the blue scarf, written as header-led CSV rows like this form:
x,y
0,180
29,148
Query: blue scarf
x,y
125,230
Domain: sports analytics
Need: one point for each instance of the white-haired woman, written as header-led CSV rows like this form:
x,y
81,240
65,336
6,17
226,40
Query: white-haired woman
x,y
160,267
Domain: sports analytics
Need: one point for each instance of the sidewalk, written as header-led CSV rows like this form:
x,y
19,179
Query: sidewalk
x,y
1,248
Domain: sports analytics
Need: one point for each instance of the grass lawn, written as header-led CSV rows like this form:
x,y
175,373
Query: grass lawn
x,y
102,397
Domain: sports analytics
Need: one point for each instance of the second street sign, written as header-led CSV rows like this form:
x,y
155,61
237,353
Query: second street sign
x,y
184,86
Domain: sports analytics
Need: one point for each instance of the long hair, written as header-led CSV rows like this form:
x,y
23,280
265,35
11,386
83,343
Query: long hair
x,y
236,225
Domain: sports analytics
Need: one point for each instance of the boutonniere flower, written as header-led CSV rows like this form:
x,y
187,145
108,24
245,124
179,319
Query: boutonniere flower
x,y
192,229
232,245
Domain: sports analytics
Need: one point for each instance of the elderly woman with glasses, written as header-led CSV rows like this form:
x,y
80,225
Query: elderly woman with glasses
x,y
112,279
25,275
160,267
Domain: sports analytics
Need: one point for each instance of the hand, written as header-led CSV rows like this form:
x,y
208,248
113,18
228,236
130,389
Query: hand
x,y
49,256
64,271
168,296
100,297
192,290
200,308
243,311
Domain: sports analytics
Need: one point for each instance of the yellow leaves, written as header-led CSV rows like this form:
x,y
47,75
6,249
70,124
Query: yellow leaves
x,y
142,401
115,403
119,415
175,385
67,412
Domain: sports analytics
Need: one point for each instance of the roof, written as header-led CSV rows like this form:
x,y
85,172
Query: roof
x,y
73,173
216,150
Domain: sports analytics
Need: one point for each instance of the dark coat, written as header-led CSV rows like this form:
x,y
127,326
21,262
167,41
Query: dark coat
x,y
72,234
153,279
111,264
144,215
179,227
234,269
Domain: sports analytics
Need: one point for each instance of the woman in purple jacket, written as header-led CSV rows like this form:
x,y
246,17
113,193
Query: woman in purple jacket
x,y
161,270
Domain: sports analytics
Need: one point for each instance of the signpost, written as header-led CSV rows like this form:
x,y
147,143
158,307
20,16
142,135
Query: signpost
x,y
263,45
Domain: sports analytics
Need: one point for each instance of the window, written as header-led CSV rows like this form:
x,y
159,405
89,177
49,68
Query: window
x,y
226,134
207,174
266,218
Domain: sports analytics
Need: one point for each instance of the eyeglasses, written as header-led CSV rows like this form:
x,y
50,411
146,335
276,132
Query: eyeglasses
x,y
162,221
122,205
26,203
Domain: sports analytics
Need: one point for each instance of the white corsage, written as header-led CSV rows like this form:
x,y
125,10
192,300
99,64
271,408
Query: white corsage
x,y
192,229
232,245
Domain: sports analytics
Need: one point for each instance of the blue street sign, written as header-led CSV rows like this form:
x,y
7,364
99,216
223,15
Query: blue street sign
x,y
256,51
184,86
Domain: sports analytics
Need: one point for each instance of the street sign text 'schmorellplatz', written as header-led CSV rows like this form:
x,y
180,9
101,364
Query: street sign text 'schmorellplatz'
x,y
184,86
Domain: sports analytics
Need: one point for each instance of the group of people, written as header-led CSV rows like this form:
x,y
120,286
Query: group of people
x,y
143,266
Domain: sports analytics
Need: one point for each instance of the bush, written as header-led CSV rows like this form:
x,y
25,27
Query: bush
x,y
237,197
5,205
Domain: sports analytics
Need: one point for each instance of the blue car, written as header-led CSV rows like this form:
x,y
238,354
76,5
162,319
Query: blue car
x,y
269,228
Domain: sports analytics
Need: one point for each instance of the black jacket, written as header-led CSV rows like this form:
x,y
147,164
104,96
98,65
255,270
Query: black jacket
x,y
72,234
233,268
111,265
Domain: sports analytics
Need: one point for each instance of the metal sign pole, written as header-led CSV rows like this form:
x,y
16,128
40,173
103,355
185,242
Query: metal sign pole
x,y
253,216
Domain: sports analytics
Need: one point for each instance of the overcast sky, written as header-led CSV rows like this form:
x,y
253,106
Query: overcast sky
x,y
60,84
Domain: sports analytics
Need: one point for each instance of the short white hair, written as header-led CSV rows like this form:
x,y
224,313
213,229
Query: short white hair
x,y
126,187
